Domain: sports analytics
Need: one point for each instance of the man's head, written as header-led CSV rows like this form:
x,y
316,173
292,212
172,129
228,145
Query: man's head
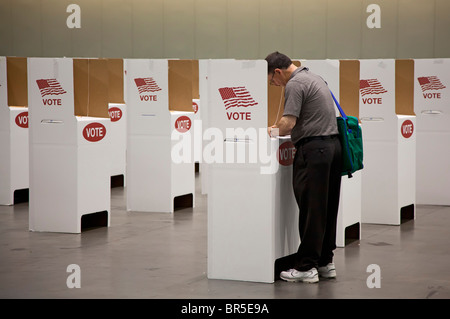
x,y
277,60
279,68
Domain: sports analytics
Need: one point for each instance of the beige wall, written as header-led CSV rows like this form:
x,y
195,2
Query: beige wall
x,y
247,29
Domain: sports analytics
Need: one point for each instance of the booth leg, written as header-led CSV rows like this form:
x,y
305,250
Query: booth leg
x,y
352,233
407,213
21,196
183,201
94,220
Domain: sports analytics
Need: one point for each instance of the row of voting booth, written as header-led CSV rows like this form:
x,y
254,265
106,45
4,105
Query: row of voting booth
x,y
381,94
152,181
402,106
68,126
52,96
78,135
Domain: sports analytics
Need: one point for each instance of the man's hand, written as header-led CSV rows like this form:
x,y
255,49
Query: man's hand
x,y
273,131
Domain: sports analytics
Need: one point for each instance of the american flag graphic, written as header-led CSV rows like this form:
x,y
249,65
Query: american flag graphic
x,y
236,97
371,86
146,85
430,83
49,87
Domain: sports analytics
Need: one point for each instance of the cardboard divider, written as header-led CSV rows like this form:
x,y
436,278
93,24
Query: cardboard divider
x,y
17,81
275,104
181,74
91,93
195,80
349,87
3,91
98,88
115,75
404,87
80,85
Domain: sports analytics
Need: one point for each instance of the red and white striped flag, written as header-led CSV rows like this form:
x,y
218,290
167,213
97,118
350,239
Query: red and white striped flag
x,y
146,85
371,86
430,83
236,97
49,87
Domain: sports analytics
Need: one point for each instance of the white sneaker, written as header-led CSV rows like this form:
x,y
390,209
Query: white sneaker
x,y
328,271
309,276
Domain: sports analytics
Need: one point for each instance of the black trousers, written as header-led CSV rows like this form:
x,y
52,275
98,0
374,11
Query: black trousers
x,y
317,184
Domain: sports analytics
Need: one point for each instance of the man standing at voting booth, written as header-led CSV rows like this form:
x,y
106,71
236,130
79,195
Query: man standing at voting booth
x,y
310,118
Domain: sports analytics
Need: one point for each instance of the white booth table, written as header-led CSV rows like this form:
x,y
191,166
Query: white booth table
x,y
387,116
158,95
69,144
342,77
13,129
252,213
432,108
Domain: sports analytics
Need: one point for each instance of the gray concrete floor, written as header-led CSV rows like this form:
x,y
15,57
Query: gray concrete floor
x,y
157,255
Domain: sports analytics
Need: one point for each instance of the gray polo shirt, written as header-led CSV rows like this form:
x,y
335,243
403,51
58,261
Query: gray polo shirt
x,y
308,98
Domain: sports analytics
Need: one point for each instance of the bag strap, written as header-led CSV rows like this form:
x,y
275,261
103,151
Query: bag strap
x,y
339,107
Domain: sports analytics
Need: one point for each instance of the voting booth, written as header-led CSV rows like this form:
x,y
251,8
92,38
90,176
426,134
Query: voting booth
x,y
387,116
432,109
14,165
342,77
69,144
118,115
160,164
252,213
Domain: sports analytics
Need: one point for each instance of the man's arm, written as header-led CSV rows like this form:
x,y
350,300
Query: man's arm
x,y
284,126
